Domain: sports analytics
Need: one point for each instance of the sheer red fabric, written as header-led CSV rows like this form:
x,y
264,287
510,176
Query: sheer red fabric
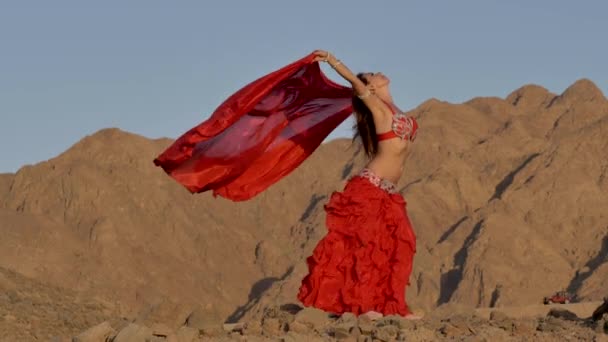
x,y
259,134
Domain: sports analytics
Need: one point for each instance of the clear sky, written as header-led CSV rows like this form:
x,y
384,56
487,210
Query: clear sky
x,y
157,68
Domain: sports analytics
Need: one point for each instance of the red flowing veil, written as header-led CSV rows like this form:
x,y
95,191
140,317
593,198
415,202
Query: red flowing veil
x,y
259,134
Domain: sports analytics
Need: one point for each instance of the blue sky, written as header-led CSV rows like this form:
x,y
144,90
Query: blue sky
x,y
157,68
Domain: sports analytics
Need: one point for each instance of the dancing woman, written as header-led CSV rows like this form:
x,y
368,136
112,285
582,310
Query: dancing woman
x,y
364,262
268,128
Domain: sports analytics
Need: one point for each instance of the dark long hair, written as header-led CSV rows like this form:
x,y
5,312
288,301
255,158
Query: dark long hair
x,y
364,127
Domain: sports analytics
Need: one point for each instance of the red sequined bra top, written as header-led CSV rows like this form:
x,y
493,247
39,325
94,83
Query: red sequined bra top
x,y
403,126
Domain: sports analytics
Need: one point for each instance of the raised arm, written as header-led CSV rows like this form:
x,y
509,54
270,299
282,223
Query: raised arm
x,y
365,93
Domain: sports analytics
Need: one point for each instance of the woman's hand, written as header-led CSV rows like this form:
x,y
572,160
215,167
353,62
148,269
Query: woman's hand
x,y
320,55
324,56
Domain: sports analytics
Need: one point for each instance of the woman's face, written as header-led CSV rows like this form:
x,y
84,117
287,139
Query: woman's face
x,y
376,79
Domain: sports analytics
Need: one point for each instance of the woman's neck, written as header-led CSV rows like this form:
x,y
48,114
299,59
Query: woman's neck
x,y
384,95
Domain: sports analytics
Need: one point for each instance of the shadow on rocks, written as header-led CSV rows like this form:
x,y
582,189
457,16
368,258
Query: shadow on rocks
x,y
257,290
564,314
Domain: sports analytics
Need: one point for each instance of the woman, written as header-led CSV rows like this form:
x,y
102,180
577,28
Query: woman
x,y
364,262
265,130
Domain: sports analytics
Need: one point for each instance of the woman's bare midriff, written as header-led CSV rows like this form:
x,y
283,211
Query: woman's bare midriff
x,y
390,159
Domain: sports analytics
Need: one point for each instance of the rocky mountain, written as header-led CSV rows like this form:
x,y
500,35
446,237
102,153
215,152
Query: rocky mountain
x,y
508,199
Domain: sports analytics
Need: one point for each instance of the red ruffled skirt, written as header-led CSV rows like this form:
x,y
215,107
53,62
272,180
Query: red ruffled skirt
x,y
365,260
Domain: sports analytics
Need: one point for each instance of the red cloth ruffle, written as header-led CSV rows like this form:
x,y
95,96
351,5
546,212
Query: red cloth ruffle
x,y
365,260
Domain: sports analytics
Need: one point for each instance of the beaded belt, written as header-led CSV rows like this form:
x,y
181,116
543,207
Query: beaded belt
x,y
376,180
